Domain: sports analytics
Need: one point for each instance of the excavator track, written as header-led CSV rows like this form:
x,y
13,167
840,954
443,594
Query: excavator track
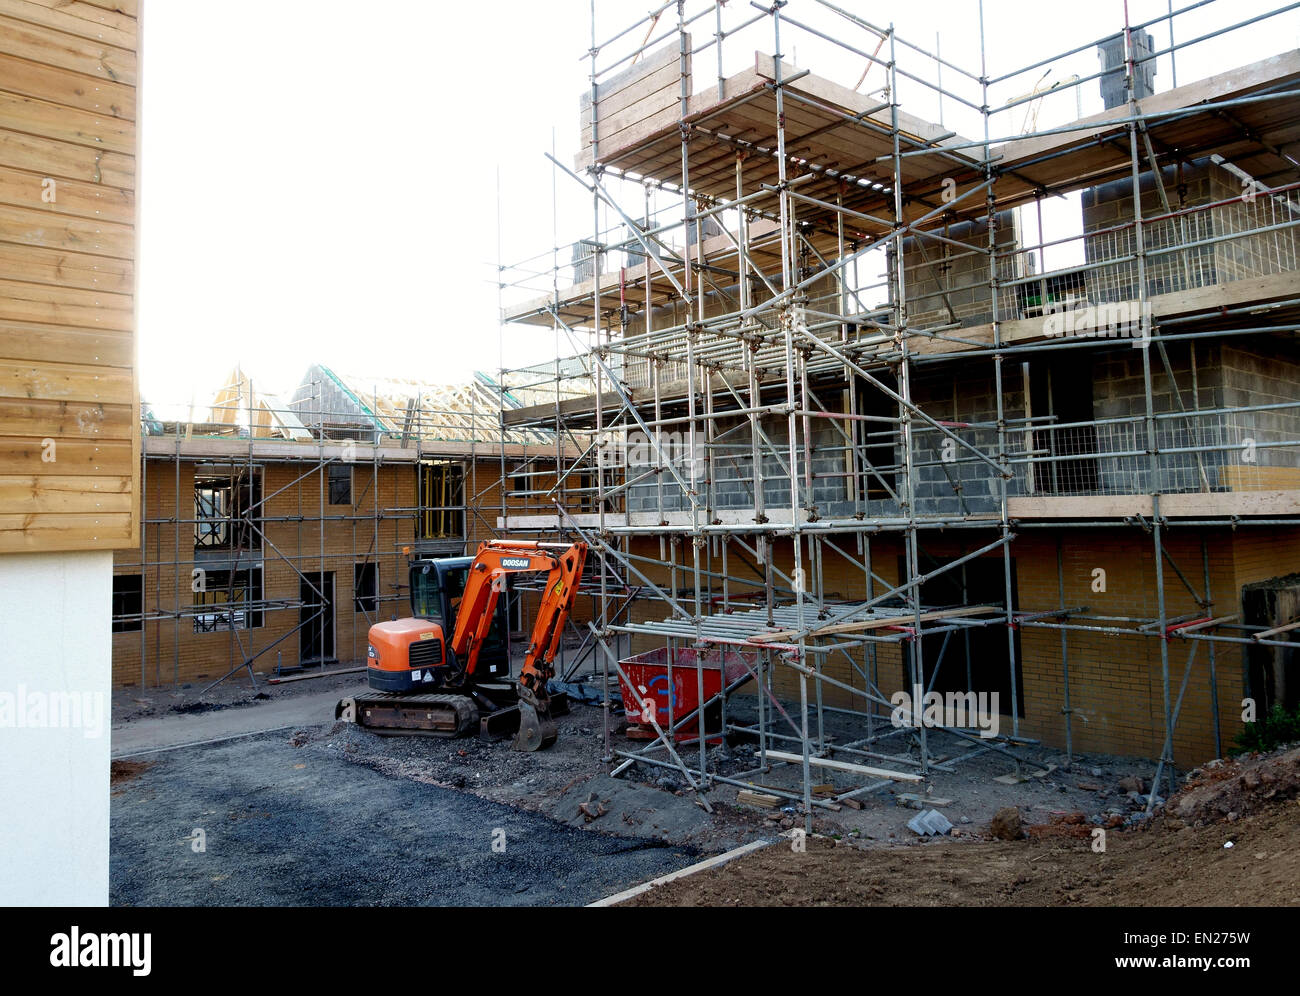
x,y
391,713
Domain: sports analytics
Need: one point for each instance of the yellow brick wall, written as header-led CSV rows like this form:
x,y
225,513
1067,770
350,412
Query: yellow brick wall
x,y
170,649
351,534
1116,686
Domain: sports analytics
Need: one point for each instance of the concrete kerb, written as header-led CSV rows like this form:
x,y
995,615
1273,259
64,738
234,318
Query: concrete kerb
x,y
717,861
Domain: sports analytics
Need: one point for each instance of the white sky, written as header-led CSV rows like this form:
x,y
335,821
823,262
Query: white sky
x,y
320,182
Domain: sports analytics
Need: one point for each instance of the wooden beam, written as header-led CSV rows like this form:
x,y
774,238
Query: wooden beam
x,y
857,769
1192,505
878,623
1079,507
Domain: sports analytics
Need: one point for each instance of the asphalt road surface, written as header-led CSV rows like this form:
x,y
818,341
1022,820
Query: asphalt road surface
x,y
283,827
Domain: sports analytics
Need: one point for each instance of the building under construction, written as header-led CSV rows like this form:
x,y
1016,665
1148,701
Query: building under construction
x,y
276,530
960,379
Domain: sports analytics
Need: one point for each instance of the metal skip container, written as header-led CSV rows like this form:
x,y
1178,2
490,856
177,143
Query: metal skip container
x,y
673,692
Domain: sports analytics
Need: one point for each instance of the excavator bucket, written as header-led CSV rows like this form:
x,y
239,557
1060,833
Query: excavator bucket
x,y
537,730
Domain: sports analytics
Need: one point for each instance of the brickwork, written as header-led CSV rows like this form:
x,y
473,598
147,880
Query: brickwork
x,y
295,537
1116,687
301,535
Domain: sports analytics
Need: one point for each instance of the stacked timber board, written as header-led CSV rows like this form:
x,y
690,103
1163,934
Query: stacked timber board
x,y
69,445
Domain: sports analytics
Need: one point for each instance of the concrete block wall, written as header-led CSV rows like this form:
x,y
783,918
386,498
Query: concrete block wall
x,y
1263,371
1206,376
719,297
1111,205
1246,210
1117,374
964,393
960,275
1120,394
1239,372
730,469
1202,183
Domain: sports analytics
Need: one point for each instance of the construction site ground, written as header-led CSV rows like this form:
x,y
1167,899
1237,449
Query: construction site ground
x,y
646,802
258,821
657,802
1228,839
155,719
297,815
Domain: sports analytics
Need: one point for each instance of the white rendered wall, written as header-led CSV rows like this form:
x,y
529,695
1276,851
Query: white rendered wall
x,y
55,678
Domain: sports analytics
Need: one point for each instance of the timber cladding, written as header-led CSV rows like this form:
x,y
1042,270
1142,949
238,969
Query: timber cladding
x,y
69,437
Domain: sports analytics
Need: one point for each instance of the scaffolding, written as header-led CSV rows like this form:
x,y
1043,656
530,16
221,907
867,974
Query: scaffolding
x,y
805,323
411,463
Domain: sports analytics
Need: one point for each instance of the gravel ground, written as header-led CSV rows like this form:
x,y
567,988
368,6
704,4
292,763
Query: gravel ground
x,y
656,803
283,826
551,783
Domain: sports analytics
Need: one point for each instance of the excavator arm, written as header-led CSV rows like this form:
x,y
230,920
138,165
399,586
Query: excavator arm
x,y
563,564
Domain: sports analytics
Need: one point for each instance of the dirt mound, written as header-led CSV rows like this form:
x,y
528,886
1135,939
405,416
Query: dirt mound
x,y
1163,866
125,771
1007,824
1074,825
1224,791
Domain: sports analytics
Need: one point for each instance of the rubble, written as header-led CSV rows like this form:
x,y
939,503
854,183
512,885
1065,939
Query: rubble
x,y
1007,824
1227,790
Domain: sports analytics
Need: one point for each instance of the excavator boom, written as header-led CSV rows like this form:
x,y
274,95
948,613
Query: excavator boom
x,y
563,564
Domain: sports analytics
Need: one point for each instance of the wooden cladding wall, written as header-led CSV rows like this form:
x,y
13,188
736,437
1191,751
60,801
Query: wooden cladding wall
x,y
69,440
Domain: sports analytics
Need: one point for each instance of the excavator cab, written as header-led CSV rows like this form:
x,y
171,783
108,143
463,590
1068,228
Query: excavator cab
x,y
412,654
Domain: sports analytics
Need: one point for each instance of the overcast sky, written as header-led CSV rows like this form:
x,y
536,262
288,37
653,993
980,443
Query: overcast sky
x,y
320,182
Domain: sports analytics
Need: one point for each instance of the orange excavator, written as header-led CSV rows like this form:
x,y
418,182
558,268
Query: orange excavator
x,y
424,683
